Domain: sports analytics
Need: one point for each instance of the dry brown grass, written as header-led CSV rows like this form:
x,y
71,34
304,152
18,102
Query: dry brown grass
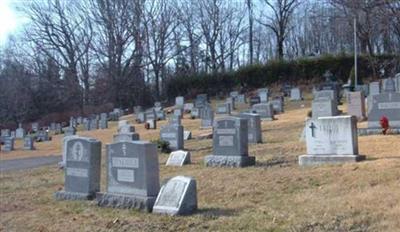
x,y
275,195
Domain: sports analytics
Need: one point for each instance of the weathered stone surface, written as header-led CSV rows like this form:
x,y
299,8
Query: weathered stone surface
x,y
254,127
29,143
384,104
125,137
324,108
356,105
331,140
82,169
177,197
178,158
132,176
174,135
295,94
265,110
230,143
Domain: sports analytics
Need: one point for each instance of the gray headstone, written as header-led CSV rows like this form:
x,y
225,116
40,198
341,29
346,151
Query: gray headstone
x,y
389,85
126,128
241,98
160,114
141,117
207,117
5,133
254,127
331,140
356,105
42,136
223,108
8,144
201,100
230,143
188,107
397,80
234,94
324,108
103,123
177,197
152,123
175,120
20,133
137,109
384,104
172,134
82,169
132,176
255,100
263,94
195,112
179,101
70,131
325,94
178,158
231,102
374,88
265,110
125,137
150,114
295,94
277,105
94,124
29,143
35,127
178,112
157,104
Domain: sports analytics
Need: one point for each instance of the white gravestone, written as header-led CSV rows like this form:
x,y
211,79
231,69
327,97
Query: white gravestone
x,y
331,140
177,197
178,158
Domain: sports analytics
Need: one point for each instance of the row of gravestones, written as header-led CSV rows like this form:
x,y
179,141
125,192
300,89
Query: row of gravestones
x,y
132,178
386,103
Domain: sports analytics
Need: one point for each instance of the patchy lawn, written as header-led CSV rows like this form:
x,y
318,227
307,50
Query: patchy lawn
x,y
275,195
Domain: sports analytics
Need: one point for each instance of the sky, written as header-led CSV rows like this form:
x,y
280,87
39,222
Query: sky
x,y
9,20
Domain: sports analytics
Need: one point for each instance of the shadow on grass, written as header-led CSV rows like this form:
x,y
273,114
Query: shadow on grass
x,y
217,212
281,162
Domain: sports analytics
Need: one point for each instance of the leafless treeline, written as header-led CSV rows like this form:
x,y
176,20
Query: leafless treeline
x,y
124,51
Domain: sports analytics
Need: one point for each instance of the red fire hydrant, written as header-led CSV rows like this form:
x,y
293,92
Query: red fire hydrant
x,y
384,121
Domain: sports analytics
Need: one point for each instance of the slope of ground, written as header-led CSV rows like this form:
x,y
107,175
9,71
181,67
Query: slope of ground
x,y
275,195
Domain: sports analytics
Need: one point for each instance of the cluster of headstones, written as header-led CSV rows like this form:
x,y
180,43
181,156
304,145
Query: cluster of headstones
x,y
7,138
132,177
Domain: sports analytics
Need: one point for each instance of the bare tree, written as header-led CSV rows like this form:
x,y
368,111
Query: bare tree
x,y
282,11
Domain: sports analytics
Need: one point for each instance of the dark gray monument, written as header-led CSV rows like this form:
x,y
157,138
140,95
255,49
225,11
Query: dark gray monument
x,y
174,135
8,144
82,169
132,176
254,127
207,117
230,144
265,110
29,143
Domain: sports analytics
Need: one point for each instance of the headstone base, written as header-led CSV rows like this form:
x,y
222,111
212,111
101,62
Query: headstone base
x,y
229,161
310,160
125,201
377,131
72,196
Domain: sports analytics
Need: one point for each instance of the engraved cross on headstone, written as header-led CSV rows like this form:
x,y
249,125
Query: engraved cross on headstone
x,y
312,127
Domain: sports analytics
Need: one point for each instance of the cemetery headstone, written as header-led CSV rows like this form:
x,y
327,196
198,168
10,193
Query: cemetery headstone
x,y
177,197
82,169
234,94
231,102
201,100
324,108
253,127
265,110
20,132
187,107
384,104
263,94
173,134
241,98
29,143
137,109
35,127
207,117
94,124
178,158
175,120
42,136
295,94
331,140
126,128
8,144
179,101
195,113
178,112
374,88
255,100
277,105
223,108
356,105
230,144
126,137
132,176
70,131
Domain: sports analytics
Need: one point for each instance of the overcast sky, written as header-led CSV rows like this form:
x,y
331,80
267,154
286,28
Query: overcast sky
x,y
9,19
